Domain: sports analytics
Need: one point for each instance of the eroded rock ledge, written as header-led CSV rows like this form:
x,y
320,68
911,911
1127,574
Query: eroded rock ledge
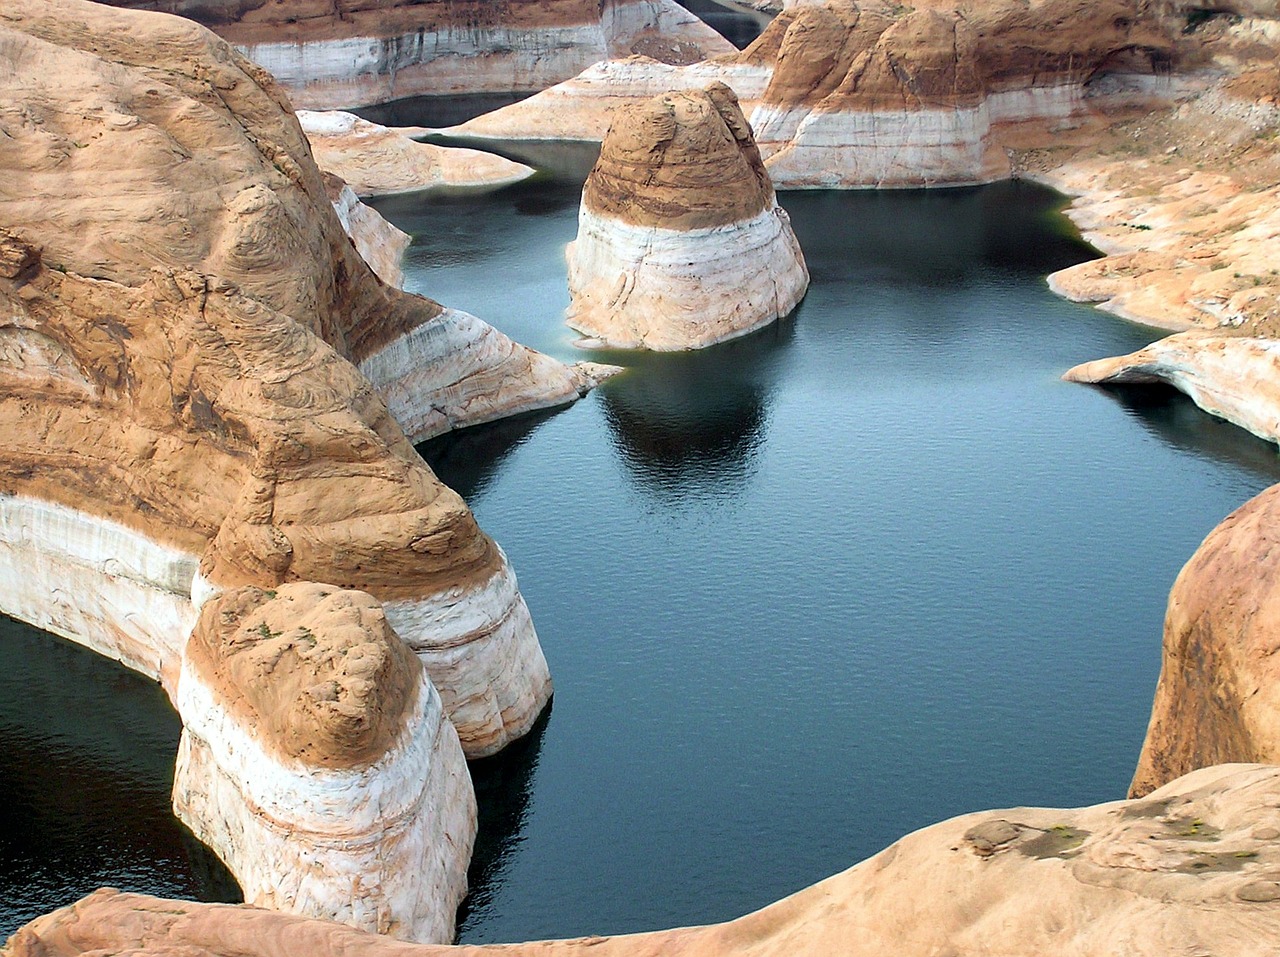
x,y
361,52
681,241
1193,869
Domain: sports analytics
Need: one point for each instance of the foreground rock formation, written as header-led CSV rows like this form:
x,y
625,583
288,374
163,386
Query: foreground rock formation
x,y
203,388
1217,699
377,161
1191,870
681,241
361,52
316,758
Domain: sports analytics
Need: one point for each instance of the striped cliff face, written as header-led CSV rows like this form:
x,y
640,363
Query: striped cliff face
x,y
362,52
681,242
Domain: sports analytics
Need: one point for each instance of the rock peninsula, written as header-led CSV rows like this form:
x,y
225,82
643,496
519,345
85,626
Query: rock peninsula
x,y
681,241
376,161
361,52
1192,869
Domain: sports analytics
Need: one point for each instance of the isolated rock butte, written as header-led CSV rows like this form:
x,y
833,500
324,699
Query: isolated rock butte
x,y
376,161
360,52
316,760
681,242
1218,698
182,313
1193,869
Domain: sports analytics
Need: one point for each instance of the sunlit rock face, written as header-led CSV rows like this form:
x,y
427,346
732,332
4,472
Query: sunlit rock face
x,y
1189,870
361,52
376,161
878,94
681,242
216,411
381,245
1217,698
317,762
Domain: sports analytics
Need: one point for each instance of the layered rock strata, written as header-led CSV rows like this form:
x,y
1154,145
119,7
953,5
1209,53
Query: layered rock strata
x,y
216,413
317,761
681,241
1191,870
376,161
182,416
381,245
583,107
1217,699
361,52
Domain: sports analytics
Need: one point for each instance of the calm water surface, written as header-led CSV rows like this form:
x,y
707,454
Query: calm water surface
x,y
801,593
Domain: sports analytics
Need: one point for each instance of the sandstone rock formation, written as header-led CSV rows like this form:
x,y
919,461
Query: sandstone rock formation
x,y
1217,699
681,241
582,108
377,161
317,761
1193,869
381,245
215,414
361,52
182,416
1234,377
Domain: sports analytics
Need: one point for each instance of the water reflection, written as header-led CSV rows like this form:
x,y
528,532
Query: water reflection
x,y
504,786
436,111
1177,421
693,423
86,767
738,24
469,460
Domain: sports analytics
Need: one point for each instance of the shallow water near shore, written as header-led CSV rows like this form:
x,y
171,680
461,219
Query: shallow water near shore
x,y
801,593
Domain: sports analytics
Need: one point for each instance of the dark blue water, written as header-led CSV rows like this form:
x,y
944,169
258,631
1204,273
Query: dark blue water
x,y
810,590
801,593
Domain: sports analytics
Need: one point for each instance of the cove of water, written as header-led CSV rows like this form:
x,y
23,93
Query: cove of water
x,y
801,593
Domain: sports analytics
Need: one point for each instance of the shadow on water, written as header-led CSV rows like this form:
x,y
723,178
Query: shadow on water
x,y
738,24
1173,418
436,111
86,770
504,788
894,237
469,460
691,423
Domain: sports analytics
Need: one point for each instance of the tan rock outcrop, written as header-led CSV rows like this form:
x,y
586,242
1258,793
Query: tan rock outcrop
x,y
317,762
1217,699
1193,869
381,245
377,161
582,108
360,52
681,242
184,304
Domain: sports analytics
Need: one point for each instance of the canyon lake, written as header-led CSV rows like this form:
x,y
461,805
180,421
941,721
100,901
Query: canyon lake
x,y
801,593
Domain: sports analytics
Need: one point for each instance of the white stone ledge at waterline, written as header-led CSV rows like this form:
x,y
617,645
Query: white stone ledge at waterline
x,y
384,848
669,289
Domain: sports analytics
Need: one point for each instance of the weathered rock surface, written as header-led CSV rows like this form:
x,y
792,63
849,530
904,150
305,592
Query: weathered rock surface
x,y
181,305
317,762
1236,378
377,161
360,52
681,242
1193,869
1217,699
381,245
582,108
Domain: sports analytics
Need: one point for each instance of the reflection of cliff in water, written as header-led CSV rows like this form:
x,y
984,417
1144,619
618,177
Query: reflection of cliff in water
x,y
468,460
504,786
86,774
1178,422
692,423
